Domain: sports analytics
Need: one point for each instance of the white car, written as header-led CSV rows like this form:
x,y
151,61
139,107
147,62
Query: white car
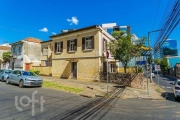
x,y
153,75
176,89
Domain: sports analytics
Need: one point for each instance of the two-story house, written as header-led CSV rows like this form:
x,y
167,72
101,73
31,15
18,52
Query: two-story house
x,y
24,53
79,54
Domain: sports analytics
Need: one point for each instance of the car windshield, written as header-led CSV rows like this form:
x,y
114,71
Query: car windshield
x,y
28,73
7,71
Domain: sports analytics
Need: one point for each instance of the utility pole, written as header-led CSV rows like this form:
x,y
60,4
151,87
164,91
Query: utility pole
x,y
150,71
150,54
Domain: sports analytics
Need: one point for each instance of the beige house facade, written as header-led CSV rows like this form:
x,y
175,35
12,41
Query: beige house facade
x,y
25,52
78,54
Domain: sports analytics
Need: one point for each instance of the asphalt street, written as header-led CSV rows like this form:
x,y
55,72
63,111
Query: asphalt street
x,y
164,83
17,104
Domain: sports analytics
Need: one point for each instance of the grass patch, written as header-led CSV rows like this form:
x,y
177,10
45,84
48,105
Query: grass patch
x,y
57,86
159,90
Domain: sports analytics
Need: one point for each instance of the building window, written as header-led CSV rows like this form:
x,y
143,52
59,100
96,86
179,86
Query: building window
x,y
105,45
58,47
13,49
72,45
88,43
112,67
20,50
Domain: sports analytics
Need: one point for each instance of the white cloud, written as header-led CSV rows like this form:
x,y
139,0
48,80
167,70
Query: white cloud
x,y
44,29
54,33
73,20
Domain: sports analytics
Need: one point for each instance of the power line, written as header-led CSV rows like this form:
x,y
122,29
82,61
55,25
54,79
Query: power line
x,y
169,24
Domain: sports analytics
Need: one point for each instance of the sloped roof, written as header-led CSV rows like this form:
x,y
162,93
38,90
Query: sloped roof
x,y
77,30
30,39
5,48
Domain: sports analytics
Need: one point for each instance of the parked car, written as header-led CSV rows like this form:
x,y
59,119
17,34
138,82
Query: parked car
x,y
176,89
153,75
24,78
4,74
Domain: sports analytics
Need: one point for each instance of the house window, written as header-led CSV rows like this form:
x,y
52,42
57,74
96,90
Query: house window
x,y
19,50
88,43
105,45
72,45
112,67
13,49
58,47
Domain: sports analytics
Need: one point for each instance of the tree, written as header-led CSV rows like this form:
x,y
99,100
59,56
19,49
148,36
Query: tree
x,y
157,61
123,49
164,65
6,56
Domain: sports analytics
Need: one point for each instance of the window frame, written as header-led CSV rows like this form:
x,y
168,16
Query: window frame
x,y
88,38
70,45
59,47
20,50
84,42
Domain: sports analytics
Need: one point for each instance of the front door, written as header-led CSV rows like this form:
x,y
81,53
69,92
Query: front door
x,y
27,66
74,70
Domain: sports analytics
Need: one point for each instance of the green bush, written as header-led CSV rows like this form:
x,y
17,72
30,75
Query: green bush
x,y
35,71
140,70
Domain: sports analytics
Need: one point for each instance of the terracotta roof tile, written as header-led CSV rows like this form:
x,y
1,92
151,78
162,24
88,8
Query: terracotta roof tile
x,y
30,39
5,48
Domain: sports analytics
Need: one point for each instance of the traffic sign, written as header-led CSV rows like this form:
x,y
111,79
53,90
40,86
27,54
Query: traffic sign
x,y
107,54
157,68
140,62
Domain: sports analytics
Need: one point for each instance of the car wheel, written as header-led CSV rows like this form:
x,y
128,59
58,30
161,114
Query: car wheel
x,y
176,98
21,84
2,79
7,81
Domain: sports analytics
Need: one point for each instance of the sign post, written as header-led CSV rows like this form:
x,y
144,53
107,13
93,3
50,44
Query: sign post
x,y
157,68
107,56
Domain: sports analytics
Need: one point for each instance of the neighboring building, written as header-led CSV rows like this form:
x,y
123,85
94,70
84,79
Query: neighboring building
x,y
4,65
24,53
169,48
173,60
46,53
79,54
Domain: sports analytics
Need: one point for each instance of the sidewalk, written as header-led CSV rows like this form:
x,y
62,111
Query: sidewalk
x,y
94,89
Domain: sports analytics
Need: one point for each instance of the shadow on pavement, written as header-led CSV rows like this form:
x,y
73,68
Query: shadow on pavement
x,y
93,110
169,96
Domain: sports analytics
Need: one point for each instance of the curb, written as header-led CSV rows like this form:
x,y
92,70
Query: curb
x,y
88,96
144,98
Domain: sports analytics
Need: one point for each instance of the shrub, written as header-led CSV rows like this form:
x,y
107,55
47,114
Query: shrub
x,y
35,71
140,70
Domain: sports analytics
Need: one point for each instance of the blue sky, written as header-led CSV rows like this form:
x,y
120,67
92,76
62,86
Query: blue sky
x,y
25,18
